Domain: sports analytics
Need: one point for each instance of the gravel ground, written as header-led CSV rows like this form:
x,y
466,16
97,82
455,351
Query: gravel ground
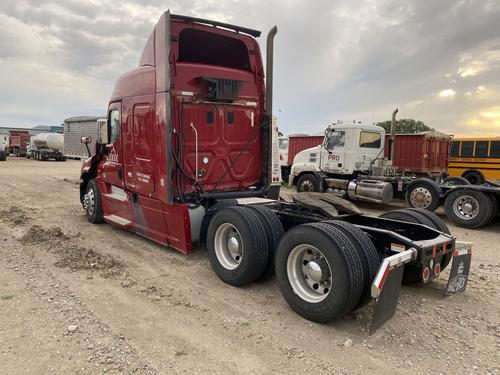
x,y
91,299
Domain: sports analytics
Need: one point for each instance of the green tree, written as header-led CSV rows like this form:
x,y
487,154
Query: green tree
x,y
405,125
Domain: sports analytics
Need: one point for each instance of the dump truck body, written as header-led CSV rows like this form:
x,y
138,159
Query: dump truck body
x,y
18,142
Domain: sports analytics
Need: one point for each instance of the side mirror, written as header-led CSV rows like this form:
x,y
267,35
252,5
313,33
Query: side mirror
x,y
102,132
86,140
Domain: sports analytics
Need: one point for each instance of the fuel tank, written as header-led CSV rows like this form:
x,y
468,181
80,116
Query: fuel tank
x,y
370,191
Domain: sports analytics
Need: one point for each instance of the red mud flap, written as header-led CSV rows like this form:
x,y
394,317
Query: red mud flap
x,y
459,273
386,287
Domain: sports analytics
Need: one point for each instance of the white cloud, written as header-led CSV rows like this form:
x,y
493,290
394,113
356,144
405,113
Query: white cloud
x,y
447,93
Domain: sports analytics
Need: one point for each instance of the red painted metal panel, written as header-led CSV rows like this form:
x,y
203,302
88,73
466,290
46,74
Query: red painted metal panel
x,y
425,153
297,144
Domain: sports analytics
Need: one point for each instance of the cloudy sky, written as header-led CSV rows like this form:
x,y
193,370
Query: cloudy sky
x,y
437,61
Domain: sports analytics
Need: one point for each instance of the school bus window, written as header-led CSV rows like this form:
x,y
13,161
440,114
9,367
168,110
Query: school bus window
x,y
455,146
467,148
495,149
481,149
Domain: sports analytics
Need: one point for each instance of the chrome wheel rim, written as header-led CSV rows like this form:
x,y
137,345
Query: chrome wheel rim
x,y
228,246
466,207
309,273
306,185
421,197
89,201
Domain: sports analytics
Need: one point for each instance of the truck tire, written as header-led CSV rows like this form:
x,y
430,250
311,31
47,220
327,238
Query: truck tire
x,y
474,177
308,183
494,206
92,203
456,180
468,208
3,156
237,245
366,252
423,193
319,272
274,232
413,271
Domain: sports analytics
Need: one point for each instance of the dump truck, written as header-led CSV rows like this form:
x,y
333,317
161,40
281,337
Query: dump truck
x,y
18,142
45,146
189,156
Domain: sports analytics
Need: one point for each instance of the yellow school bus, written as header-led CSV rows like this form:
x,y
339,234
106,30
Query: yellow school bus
x,y
475,159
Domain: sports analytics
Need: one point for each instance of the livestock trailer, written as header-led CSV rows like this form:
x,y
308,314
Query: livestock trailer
x,y
74,129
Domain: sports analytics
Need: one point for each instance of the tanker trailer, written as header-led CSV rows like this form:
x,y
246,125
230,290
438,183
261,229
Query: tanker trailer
x,y
48,146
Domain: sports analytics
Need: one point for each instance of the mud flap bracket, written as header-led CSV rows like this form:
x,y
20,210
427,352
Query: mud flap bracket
x,y
386,287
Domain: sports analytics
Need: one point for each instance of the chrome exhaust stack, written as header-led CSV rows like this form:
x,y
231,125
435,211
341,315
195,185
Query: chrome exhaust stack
x,y
268,133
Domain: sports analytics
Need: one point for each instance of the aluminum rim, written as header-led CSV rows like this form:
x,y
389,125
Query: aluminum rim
x,y
89,201
228,246
309,273
306,185
466,207
421,197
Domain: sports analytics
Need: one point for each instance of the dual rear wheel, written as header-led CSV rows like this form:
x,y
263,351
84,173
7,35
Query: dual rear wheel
x,y
324,270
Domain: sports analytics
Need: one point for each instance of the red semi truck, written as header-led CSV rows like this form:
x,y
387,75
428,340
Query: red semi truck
x,y
189,155
18,142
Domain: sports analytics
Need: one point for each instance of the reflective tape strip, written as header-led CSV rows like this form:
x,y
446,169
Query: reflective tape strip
x,y
467,250
444,248
434,251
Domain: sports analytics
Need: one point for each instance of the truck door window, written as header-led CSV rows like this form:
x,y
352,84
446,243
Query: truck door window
x,y
114,125
337,139
370,139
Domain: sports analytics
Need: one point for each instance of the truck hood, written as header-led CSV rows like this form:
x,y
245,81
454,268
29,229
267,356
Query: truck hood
x,y
305,156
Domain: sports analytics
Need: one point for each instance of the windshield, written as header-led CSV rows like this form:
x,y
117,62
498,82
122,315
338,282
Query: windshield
x,y
283,143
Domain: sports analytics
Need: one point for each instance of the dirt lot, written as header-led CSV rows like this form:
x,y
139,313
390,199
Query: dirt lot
x,y
83,298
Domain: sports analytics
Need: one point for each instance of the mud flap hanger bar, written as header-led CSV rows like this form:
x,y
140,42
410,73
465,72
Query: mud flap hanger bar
x,y
387,284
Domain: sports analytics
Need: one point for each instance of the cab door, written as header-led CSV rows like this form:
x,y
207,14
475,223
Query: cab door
x,y
112,168
333,152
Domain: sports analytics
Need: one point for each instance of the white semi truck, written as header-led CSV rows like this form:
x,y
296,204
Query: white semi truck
x,y
4,142
351,163
348,155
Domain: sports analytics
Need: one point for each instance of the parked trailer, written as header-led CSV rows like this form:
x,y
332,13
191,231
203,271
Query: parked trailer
x,y
18,142
45,146
74,129
4,142
190,154
423,154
